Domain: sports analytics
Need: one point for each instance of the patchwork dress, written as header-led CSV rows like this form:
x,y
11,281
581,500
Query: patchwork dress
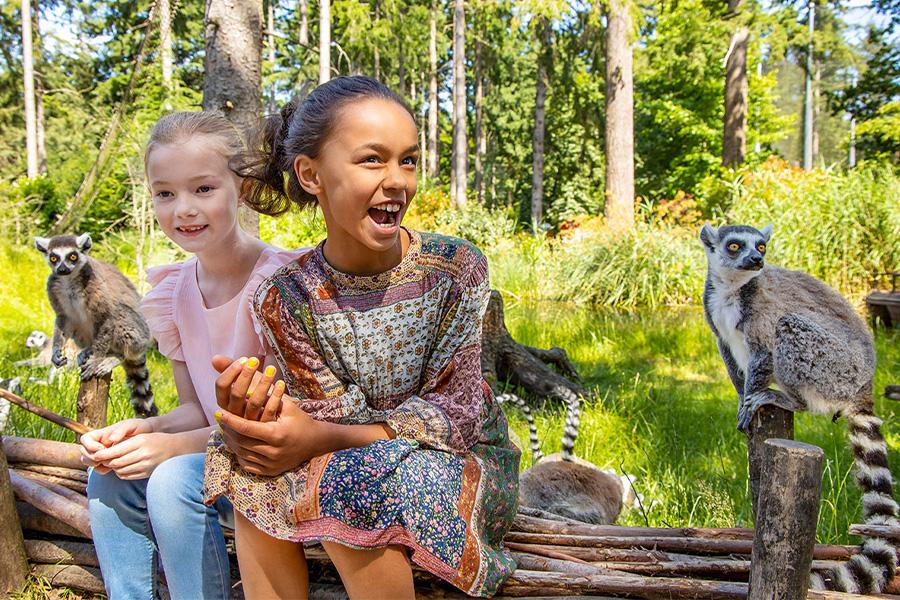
x,y
401,347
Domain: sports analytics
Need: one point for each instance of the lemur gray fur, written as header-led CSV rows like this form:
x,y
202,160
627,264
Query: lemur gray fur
x,y
564,484
98,307
775,326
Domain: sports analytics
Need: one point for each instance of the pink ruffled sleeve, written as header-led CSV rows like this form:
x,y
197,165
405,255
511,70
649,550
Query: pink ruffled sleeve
x,y
158,308
275,259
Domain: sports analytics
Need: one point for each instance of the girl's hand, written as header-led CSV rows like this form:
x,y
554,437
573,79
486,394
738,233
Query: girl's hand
x,y
100,439
243,391
137,456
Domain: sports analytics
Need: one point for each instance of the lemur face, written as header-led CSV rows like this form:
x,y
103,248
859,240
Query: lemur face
x,y
735,247
36,339
66,254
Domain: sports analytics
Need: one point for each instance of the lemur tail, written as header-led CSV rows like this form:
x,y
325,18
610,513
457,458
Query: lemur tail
x,y
139,381
573,422
871,569
533,439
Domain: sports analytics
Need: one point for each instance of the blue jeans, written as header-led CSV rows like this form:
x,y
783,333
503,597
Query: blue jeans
x,y
131,520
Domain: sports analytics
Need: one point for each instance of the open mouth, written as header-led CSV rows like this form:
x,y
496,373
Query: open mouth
x,y
386,216
190,229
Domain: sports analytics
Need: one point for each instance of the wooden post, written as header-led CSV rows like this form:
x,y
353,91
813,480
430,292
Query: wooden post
x,y
768,422
13,560
789,492
93,396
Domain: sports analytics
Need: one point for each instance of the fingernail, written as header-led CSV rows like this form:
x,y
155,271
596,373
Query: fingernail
x,y
242,359
217,415
270,371
280,384
253,362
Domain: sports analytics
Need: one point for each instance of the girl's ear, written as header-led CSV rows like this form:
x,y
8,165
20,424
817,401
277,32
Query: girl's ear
x,y
307,174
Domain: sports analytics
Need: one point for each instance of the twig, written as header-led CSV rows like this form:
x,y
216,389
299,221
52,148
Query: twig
x,y
44,413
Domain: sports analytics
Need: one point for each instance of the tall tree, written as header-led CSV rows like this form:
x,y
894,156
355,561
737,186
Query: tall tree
x,y
542,32
28,76
734,141
619,117
480,134
165,42
433,163
40,137
324,41
303,9
270,49
233,68
808,112
459,167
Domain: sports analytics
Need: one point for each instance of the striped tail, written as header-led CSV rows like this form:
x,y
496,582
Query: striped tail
x,y
871,569
573,422
533,439
139,381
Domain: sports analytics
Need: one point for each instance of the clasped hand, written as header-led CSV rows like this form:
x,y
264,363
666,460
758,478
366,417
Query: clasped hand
x,y
130,448
265,428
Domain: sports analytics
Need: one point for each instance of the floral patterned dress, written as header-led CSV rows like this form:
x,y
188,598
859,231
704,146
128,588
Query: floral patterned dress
x,y
402,347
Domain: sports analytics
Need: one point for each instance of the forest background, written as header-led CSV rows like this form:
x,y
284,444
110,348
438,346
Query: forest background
x,y
587,202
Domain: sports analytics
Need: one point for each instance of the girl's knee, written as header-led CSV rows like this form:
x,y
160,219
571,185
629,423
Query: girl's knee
x,y
175,482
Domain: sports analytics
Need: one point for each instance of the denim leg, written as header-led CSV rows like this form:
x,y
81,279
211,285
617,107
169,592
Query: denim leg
x,y
122,536
187,531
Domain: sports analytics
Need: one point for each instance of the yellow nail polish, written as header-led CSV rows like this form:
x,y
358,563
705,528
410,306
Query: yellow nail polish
x,y
279,385
242,359
253,362
270,371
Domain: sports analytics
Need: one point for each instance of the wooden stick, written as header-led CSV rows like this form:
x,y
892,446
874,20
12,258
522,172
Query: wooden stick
x,y
544,551
67,493
60,552
62,472
34,520
768,422
677,544
76,486
92,401
13,560
887,532
529,524
531,562
45,413
43,452
43,499
786,520
71,576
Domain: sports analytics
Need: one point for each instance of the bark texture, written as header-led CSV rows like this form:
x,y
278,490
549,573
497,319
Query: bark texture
x,y
433,164
459,176
537,140
13,561
28,82
619,118
734,142
324,41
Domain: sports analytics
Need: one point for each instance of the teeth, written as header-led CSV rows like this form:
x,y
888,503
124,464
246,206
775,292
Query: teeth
x,y
191,228
392,208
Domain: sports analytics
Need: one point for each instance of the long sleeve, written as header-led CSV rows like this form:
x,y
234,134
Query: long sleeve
x,y
446,413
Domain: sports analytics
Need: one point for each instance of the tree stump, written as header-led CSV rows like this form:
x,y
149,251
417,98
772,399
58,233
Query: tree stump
x,y
13,560
505,360
93,397
768,422
786,524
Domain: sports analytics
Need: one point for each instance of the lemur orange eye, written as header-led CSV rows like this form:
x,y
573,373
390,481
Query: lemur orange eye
x,y
734,246
73,257
761,248
53,258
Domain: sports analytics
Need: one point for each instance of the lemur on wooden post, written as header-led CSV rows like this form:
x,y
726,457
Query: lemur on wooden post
x,y
98,307
775,326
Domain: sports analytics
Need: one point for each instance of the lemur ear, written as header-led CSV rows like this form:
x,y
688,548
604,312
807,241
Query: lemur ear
x,y
766,232
84,242
709,235
42,244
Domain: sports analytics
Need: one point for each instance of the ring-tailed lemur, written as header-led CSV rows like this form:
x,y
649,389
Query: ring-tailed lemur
x,y
564,484
98,307
775,326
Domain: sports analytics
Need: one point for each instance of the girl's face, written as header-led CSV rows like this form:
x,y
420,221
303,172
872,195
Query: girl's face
x,y
195,194
365,178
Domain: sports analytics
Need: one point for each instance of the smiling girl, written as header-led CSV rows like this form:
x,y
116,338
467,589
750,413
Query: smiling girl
x,y
145,488
389,447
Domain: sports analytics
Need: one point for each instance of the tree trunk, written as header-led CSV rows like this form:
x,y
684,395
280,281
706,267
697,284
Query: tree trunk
x,y
39,89
537,146
165,42
808,102
619,118
734,142
232,67
376,49
303,7
270,47
324,41
13,560
433,163
459,175
479,124
28,75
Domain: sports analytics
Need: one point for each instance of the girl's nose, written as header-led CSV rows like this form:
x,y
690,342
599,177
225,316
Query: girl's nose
x,y
395,178
184,207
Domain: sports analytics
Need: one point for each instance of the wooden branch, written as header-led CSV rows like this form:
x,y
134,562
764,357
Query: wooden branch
x,y
71,576
529,524
79,475
786,520
677,544
34,520
531,562
888,532
73,485
544,551
43,499
13,561
92,401
56,488
43,452
768,422
61,552
44,413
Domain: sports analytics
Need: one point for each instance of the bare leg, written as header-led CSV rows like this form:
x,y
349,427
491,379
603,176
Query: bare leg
x,y
376,574
270,568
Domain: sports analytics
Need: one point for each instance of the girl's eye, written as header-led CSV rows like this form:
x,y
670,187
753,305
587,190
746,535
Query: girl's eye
x,y
410,160
73,257
204,189
163,194
370,159
734,246
761,248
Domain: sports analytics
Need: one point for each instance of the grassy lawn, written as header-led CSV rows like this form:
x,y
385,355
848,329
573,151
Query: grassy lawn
x,y
663,409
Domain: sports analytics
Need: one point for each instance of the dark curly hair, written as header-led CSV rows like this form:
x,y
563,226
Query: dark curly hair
x,y
301,127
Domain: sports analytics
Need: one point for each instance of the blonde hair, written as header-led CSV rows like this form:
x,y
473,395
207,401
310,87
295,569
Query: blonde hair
x,y
179,127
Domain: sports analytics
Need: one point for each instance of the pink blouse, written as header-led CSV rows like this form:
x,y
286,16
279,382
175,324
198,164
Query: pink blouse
x,y
186,330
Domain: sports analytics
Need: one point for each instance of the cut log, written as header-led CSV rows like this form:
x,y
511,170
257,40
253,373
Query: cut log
x,y
43,499
43,452
76,486
676,544
882,531
13,561
62,472
61,552
768,422
71,576
56,488
528,524
34,520
44,413
93,397
530,562
505,360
